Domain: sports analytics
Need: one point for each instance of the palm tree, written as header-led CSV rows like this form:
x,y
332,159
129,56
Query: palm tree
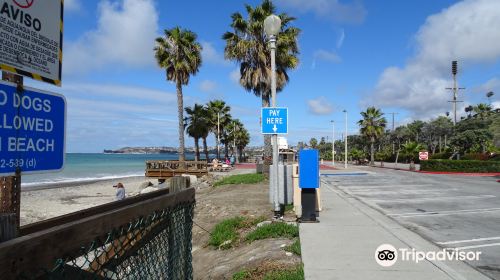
x,y
242,140
247,45
489,95
231,133
219,117
469,109
411,150
196,125
372,126
482,110
179,54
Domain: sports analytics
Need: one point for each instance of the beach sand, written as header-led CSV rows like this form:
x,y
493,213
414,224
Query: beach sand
x,y
50,201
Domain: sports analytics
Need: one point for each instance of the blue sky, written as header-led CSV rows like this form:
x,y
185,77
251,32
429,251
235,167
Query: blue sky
x,y
395,55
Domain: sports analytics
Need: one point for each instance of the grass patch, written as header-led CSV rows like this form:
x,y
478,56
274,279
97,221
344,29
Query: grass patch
x,y
241,179
288,207
227,230
271,272
273,230
294,248
296,273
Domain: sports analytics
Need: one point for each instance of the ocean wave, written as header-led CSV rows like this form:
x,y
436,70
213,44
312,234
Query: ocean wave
x,y
77,180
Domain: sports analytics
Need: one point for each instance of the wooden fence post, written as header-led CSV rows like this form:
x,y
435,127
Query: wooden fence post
x,y
10,192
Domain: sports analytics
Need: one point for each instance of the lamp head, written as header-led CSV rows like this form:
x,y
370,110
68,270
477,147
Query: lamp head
x,y
272,25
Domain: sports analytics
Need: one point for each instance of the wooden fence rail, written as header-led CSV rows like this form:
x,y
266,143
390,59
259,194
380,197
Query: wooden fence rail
x,y
41,244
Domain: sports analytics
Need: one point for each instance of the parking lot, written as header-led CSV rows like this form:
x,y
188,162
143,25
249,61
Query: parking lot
x,y
451,211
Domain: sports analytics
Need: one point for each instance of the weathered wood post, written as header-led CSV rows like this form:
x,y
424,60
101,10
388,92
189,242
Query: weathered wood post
x,y
10,192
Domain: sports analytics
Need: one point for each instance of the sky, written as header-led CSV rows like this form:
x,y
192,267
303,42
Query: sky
x,y
395,55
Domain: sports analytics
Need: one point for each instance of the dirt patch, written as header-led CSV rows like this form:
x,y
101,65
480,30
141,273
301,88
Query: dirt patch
x,y
216,204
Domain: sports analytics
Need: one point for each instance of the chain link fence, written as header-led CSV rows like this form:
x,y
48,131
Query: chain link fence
x,y
153,246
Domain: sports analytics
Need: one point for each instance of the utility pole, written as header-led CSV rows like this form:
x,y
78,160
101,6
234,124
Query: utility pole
x,y
345,153
455,89
333,144
10,186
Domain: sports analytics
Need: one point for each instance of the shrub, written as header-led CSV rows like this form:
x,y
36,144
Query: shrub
x,y
473,166
475,156
445,155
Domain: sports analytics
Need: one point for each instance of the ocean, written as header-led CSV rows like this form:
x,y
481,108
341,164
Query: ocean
x,y
81,167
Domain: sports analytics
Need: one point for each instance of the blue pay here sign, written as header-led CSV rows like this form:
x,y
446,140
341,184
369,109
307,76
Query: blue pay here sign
x,y
32,130
274,120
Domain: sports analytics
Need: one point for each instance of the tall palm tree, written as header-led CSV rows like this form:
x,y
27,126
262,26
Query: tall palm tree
x,y
489,95
242,140
231,133
219,117
179,54
196,125
247,45
372,126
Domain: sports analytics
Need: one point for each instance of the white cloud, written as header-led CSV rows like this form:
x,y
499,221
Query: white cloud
x,y
340,40
235,75
353,12
210,54
124,36
320,106
109,116
467,32
490,85
495,105
208,86
323,55
72,5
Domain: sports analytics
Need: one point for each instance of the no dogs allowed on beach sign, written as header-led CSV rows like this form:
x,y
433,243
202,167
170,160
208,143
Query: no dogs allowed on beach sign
x,y
32,130
31,38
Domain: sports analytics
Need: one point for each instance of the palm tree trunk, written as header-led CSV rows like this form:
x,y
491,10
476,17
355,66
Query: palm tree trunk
x,y
180,115
205,149
372,151
197,149
226,150
268,148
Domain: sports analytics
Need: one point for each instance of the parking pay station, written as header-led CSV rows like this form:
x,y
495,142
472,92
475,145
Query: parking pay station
x,y
309,183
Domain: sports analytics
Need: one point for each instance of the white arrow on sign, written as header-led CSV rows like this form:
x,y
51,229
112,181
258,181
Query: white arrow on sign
x,y
275,128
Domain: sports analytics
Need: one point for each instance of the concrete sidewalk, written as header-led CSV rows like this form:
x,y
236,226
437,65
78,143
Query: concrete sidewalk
x,y
343,244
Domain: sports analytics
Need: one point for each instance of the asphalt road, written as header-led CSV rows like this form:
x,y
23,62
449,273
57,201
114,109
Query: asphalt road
x,y
451,211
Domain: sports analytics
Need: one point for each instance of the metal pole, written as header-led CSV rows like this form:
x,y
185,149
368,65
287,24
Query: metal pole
x,y
345,156
333,144
218,134
455,98
272,41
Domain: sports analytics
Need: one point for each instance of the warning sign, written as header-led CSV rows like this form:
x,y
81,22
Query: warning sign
x,y
31,38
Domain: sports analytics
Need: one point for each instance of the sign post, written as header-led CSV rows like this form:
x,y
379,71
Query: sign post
x,y
31,38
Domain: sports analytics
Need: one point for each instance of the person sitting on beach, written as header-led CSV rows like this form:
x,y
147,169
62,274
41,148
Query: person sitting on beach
x,y
215,162
120,191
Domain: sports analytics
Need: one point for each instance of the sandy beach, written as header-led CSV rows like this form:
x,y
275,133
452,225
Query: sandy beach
x,y
50,201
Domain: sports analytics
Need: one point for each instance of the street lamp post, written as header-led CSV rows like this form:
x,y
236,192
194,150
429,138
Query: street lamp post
x,y
345,152
333,143
272,26
218,135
